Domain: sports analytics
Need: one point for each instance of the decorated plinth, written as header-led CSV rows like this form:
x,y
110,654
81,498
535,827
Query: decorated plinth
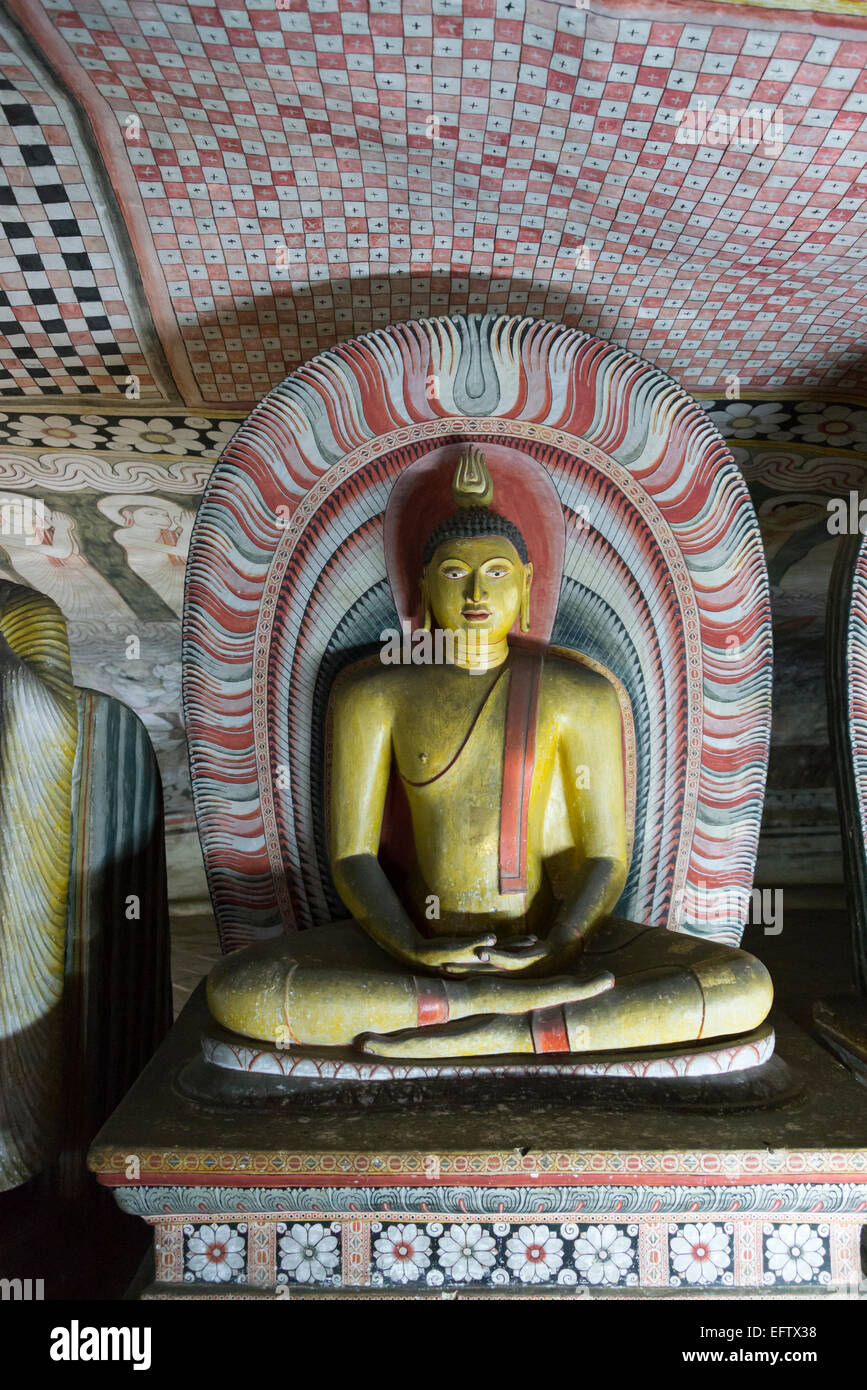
x,y
257,1062
429,1191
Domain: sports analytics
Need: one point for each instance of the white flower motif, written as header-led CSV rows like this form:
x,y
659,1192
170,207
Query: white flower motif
x,y
309,1253
402,1253
154,436
795,1253
57,431
603,1254
221,434
830,424
466,1252
740,420
535,1254
215,1254
700,1253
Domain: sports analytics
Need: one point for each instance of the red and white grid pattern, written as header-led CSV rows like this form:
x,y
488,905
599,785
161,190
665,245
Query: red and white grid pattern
x,y
313,171
64,326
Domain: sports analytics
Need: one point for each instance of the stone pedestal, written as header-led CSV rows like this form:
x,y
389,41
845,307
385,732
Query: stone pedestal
x,y
502,1188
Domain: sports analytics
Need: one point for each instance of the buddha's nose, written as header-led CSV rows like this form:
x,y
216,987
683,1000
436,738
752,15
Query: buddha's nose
x,y
478,586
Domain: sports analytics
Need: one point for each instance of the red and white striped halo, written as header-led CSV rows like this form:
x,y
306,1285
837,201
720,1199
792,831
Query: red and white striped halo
x,y
663,583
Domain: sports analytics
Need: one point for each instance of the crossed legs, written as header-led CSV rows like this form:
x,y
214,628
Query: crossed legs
x,y
333,987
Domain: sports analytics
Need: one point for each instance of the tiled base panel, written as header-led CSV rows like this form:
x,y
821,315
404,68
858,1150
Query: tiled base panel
x,y
593,1242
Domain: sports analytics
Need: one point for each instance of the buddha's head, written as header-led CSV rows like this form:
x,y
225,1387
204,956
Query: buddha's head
x,y
477,572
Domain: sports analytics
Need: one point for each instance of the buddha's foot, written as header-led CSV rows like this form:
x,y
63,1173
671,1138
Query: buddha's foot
x,y
496,1024
469,1037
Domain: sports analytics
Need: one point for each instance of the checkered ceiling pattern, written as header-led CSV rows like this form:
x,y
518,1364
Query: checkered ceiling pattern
x,y
64,327
297,174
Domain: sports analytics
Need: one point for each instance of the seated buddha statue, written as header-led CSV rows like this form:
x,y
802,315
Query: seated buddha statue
x,y
500,938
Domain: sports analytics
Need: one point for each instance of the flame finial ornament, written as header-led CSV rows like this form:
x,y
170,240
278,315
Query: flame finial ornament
x,y
472,485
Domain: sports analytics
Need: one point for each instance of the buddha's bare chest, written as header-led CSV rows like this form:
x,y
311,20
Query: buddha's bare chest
x,y
450,726
454,744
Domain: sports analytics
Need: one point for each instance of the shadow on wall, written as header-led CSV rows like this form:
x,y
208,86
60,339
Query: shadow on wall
x,y
340,308
277,332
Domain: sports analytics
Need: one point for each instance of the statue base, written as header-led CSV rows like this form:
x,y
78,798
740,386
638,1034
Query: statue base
x,y
736,1072
453,1186
244,1057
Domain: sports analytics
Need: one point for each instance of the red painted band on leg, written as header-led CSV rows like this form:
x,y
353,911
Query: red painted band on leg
x,y
548,1027
433,1002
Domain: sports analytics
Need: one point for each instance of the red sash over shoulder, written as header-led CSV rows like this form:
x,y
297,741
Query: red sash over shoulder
x,y
519,753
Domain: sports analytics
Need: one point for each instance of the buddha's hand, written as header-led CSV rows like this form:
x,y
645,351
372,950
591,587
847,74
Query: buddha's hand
x,y
527,955
481,955
453,955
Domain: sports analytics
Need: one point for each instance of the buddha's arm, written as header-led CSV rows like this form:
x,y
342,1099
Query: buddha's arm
x,y
592,760
361,725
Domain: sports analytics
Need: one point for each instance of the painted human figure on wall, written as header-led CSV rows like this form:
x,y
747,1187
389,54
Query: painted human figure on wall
x,y
156,536
49,557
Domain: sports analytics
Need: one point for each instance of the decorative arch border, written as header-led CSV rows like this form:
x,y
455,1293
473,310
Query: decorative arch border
x,y
521,378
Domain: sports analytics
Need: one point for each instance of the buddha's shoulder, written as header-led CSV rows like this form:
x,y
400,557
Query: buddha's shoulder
x,y
566,678
371,679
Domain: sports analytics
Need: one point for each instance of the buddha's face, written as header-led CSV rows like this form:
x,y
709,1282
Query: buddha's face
x,y
477,585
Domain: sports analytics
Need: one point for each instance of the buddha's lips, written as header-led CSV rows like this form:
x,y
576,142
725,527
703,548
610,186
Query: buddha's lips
x,y
475,615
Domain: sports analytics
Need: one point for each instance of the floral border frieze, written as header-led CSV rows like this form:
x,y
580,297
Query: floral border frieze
x,y
144,433
437,1252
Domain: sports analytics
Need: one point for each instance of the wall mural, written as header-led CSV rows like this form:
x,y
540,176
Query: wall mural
x,y
112,500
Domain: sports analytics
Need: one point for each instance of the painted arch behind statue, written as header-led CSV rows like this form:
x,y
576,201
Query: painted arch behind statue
x,y
664,583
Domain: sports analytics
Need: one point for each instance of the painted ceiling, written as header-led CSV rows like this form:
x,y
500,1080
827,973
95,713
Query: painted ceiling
x,y
197,198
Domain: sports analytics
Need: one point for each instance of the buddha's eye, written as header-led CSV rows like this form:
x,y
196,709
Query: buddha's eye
x,y
496,571
453,572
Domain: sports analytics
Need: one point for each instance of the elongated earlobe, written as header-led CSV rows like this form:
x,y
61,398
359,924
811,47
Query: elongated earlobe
x,y
525,598
427,619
